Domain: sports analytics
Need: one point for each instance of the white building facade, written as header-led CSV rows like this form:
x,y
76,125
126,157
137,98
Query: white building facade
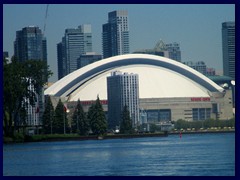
x,y
122,90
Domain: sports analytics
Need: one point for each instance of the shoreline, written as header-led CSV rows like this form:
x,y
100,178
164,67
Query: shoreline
x,y
55,138
202,132
94,137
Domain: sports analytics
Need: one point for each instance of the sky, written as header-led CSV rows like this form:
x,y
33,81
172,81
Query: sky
x,y
196,27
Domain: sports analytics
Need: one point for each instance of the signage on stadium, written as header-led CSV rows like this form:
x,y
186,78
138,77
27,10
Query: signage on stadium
x,y
200,99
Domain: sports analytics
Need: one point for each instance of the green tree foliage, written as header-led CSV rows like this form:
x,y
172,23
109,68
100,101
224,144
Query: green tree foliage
x,y
182,124
48,117
97,118
80,122
59,119
126,123
17,77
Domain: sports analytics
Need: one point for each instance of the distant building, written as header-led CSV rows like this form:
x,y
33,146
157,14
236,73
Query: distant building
x,y
228,48
122,89
200,66
62,64
174,51
210,72
30,44
160,50
171,50
88,58
115,34
74,43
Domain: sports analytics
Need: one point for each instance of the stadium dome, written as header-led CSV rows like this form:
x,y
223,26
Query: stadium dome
x,y
159,77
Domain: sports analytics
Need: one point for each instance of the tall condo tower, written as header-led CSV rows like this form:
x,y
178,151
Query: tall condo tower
x,y
115,34
228,48
30,44
74,43
122,89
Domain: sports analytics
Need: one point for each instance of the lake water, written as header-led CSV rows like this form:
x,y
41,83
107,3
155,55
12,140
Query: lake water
x,y
191,155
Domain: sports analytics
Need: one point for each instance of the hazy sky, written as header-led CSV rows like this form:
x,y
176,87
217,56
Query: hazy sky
x,y
197,28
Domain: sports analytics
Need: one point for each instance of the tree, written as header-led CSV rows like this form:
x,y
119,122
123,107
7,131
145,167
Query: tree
x,y
48,117
60,123
80,121
126,122
97,118
18,76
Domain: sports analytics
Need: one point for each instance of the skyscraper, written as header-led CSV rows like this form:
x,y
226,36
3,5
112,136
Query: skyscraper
x,y
115,34
62,64
228,48
74,43
122,89
30,44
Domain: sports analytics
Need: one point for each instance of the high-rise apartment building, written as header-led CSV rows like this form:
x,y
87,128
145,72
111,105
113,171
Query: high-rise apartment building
x,y
74,43
115,34
228,48
122,89
30,44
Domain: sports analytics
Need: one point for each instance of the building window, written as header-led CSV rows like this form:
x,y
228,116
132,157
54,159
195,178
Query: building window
x,y
158,115
201,113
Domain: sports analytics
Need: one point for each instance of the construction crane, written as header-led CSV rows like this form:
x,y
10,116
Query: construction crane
x,y
45,20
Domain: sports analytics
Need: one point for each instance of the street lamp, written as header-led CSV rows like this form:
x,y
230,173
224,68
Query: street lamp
x,y
65,111
64,128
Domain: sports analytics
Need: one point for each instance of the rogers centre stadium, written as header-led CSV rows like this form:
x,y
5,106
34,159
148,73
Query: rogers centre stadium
x,y
168,90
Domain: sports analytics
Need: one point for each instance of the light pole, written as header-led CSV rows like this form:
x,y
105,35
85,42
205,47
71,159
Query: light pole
x,y
64,113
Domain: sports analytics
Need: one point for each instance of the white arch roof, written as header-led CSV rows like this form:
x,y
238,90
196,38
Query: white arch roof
x,y
159,77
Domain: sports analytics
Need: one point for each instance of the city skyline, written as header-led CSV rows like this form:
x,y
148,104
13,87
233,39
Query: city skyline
x,y
197,28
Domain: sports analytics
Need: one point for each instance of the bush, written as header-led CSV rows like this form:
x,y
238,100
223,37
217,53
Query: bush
x,y
7,140
18,137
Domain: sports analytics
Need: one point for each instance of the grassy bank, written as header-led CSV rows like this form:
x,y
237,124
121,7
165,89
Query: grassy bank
x,y
76,137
